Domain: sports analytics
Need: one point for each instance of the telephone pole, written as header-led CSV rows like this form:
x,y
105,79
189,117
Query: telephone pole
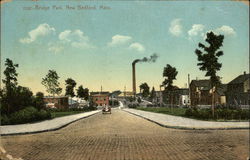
x,y
189,92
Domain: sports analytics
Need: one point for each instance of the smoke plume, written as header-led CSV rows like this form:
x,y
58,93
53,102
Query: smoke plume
x,y
152,58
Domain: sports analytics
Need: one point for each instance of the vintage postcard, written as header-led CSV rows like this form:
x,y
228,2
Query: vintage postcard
x,y
124,80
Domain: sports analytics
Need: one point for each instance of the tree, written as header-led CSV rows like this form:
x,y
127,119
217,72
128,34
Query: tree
x,y
144,89
80,91
170,73
10,82
86,94
23,97
83,93
70,85
51,83
152,94
208,60
39,103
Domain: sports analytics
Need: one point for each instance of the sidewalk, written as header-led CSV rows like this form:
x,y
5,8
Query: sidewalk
x,y
47,125
186,123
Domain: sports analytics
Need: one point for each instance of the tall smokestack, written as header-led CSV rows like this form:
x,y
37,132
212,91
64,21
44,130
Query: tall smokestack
x,y
133,76
152,58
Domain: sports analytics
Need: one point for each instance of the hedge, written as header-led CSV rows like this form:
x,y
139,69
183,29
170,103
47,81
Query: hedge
x,y
26,115
221,113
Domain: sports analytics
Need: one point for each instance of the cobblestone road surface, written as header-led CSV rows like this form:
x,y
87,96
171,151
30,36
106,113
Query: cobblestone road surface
x,y
122,136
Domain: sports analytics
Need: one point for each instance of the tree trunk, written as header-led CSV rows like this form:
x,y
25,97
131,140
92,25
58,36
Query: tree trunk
x,y
171,102
213,100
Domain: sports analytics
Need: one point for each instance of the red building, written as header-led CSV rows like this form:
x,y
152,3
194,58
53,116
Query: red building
x,y
57,102
100,99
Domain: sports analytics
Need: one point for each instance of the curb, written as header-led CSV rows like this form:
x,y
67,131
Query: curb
x,y
186,128
47,130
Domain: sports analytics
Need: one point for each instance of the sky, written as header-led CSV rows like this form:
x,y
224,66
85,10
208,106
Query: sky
x,y
95,42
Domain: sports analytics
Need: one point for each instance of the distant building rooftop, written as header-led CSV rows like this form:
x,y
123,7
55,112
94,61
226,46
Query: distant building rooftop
x,y
240,79
55,97
99,93
204,83
115,93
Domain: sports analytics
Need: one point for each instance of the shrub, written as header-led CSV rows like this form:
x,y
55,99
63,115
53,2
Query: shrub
x,y
43,114
84,109
23,116
188,112
132,105
4,120
220,113
245,114
26,115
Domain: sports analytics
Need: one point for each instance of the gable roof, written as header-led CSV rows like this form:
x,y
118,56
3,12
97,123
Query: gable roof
x,y
99,93
222,89
183,91
205,83
240,79
115,93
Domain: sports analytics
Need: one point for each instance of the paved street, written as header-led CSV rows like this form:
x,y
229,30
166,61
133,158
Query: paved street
x,y
122,136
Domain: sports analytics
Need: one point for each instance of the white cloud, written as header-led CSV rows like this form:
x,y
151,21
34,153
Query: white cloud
x,y
71,36
126,41
137,46
226,30
196,29
76,38
64,35
175,27
119,39
56,49
40,31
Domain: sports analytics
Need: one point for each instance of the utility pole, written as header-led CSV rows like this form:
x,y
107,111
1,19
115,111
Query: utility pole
x,y
112,100
189,92
124,92
160,96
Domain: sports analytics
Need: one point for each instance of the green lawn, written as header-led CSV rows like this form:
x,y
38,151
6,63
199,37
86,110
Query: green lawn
x,y
66,113
165,110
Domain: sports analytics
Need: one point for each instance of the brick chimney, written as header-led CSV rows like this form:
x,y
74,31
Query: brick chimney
x,y
133,78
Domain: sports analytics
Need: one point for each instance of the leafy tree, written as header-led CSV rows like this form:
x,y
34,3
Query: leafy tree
x,y
170,73
10,81
70,85
208,60
80,91
86,94
153,93
144,89
83,93
51,83
39,103
23,97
